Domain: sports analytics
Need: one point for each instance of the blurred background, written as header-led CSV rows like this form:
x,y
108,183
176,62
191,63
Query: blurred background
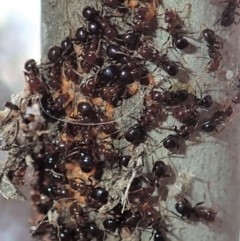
x,y
20,41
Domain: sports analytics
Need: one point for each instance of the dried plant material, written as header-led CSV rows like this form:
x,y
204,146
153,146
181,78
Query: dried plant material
x,y
8,190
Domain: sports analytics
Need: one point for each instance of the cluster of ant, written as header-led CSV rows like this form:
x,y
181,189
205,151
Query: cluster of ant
x,y
84,187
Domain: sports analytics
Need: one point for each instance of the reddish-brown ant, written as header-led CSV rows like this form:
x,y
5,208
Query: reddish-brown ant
x,y
60,102
143,17
77,214
31,73
151,54
95,196
170,98
214,46
90,53
174,29
150,214
188,112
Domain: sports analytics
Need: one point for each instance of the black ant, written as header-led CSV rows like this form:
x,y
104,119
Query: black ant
x,y
98,23
137,134
184,207
90,54
94,232
183,133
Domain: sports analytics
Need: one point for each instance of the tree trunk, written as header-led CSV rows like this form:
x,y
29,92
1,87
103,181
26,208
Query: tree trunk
x,y
209,168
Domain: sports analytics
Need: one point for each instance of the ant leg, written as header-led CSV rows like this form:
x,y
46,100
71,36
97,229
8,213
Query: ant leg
x,y
227,1
151,235
236,23
180,196
187,4
163,29
198,204
82,179
223,126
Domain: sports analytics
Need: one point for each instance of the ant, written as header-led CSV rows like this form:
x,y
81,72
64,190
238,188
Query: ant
x,y
94,231
98,23
126,218
131,219
172,141
115,4
56,192
53,75
170,98
159,169
89,88
187,113
142,18
111,224
77,214
80,233
135,135
131,40
95,196
137,190
81,36
87,162
70,68
57,55
152,55
17,176
31,73
60,102
87,111
90,54
108,129
149,116
218,118
228,15
184,207
214,46
54,54
150,214
173,28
